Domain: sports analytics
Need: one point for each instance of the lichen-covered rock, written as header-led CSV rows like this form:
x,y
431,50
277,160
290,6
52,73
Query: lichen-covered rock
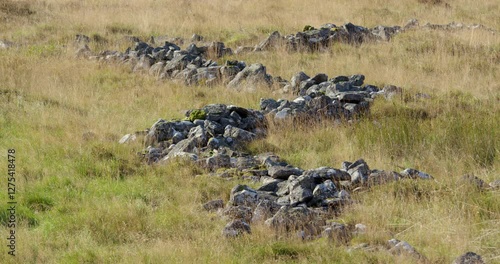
x,y
243,195
213,205
469,258
415,174
238,212
236,228
251,77
402,247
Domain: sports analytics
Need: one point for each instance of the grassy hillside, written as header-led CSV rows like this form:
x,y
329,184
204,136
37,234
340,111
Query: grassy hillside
x,y
84,198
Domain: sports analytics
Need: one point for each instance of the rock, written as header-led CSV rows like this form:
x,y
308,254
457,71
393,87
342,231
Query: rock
x,y
160,131
239,134
359,172
414,174
283,172
402,247
282,114
327,173
469,258
360,229
339,79
218,161
243,213
385,33
411,24
196,38
495,184
82,52
181,155
475,181
323,191
127,138
297,79
270,42
243,195
391,92
251,77
269,184
290,218
213,205
236,228
184,146
243,50
337,232
264,210
377,177
351,97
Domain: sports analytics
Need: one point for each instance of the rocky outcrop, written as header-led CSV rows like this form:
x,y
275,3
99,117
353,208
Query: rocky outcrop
x,y
469,258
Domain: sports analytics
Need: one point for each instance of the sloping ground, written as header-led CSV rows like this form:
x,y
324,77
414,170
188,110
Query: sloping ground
x,y
82,197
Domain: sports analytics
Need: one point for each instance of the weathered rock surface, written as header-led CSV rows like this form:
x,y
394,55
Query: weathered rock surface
x,y
236,228
402,247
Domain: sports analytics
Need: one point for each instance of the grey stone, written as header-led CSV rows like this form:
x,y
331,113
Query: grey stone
x,y
160,131
319,78
177,137
213,128
251,77
239,134
403,247
377,177
243,195
127,138
218,161
359,171
352,97
243,50
414,174
237,212
495,184
270,42
264,210
283,172
337,232
213,205
199,135
323,191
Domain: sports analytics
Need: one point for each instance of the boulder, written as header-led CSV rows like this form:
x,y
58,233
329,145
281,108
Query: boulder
x,y
243,195
283,172
213,205
290,218
469,258
359,171
402,247
239,134
236,228
251,77
415,174
270,42
243,213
